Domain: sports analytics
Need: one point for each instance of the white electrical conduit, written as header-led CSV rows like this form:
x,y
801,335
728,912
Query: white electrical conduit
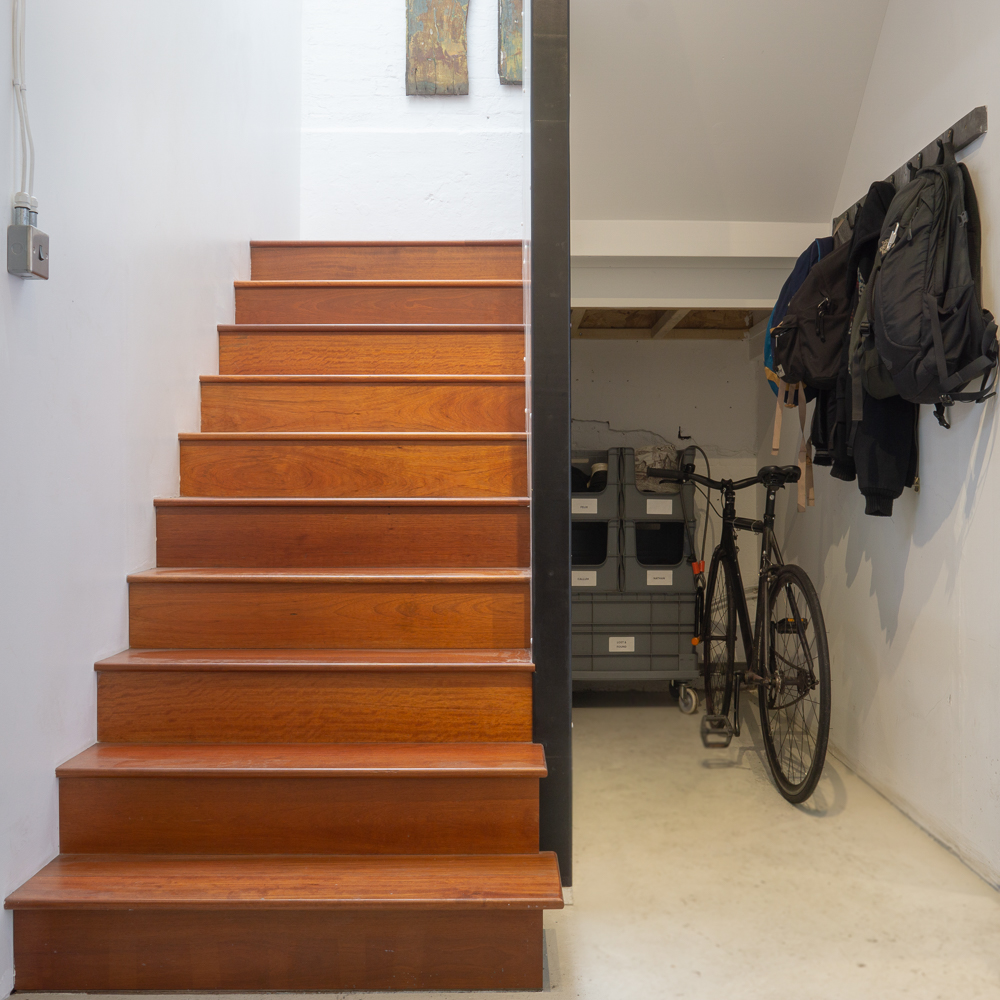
x,y
25,197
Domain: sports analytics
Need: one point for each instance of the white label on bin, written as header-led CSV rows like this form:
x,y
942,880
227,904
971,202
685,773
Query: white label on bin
x,y
659,506
621,644
659,577
584,578
584,505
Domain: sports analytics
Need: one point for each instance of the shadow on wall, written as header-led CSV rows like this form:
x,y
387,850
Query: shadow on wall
x,y
932,525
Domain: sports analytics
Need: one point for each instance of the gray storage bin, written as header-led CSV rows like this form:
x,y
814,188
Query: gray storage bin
x,y
640,653
591,576
601,506
635,609
653,576
638,506
630,637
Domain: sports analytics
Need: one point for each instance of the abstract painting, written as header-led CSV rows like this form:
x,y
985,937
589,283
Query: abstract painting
x,y
436,47
511,57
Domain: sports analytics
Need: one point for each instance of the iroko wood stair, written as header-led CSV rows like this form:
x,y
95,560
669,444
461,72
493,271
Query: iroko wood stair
x,y
316,769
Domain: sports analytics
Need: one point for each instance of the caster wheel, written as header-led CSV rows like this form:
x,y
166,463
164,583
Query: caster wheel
x,y
687,700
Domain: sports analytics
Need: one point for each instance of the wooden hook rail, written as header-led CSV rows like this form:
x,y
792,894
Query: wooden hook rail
x,y
962,134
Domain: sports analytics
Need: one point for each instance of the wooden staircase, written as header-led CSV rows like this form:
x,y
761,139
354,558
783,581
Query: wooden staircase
x,y
315,768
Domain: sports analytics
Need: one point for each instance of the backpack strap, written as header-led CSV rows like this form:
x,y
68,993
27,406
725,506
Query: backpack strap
x,y
983,365
973,230
860,320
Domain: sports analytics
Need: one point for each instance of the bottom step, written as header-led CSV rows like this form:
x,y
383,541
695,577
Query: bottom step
x,y
113,922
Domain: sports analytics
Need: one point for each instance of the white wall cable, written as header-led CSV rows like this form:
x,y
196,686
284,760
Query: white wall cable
x,y
25,197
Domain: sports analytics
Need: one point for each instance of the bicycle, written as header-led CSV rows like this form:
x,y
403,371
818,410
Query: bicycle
x,y
788,661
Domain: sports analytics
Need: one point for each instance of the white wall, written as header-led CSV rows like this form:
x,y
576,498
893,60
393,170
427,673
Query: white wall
x,y
377,164
645,390
912,602
716,110
167,137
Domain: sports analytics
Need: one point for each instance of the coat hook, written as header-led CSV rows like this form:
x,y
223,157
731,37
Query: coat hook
x,y
681,436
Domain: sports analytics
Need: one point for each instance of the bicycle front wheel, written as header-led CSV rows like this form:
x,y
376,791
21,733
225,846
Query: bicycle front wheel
x,y
795,696
718,637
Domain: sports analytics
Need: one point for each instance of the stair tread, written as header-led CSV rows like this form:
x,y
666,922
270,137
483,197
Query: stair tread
x,y
296,660
93,881
384,283
271,328
211,574
319,760
363,379
404,436
341,502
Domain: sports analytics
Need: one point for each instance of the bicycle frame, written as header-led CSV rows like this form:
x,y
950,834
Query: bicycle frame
x,y
754,640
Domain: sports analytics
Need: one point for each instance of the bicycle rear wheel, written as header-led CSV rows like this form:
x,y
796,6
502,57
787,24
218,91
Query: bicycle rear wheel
x,y
718,637
795,698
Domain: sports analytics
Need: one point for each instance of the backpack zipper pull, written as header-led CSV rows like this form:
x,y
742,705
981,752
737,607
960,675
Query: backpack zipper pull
x,y
888,244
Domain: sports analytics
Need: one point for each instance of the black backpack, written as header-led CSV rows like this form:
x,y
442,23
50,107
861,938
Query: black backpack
x,y
809,341
930,328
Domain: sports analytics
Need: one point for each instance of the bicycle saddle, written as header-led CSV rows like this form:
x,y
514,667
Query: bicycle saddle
x,y
775,476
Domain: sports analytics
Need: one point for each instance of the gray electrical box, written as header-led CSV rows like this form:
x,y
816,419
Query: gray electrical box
x,y
27,252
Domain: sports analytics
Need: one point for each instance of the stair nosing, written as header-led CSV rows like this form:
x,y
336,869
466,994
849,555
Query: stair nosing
x,y
341,502
334,283
386,243
429,328
141,660
332,436
365,379
278,760
418,575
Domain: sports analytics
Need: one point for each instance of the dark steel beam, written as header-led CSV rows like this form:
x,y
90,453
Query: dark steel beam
x,y
548,289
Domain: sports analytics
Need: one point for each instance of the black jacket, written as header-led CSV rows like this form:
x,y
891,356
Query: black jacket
x,y
881,450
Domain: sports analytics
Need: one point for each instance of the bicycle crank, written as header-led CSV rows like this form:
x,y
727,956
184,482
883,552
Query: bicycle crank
x,y
716,732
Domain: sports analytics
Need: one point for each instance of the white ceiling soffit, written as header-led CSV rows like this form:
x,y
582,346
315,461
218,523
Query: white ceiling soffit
x,y
715,110
682,238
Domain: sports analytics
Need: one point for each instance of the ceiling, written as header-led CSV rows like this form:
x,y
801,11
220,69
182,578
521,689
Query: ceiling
x,y
666,324
715,109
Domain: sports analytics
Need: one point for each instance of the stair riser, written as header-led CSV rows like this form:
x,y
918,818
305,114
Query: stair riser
x,y
296,468
328,616
345,263
382,353
276,815
339,406
342,537
371,706
278,950
374,304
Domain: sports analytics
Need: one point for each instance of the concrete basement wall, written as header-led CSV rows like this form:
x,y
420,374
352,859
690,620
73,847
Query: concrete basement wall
x,y
911,602
167,138
644,390
378,165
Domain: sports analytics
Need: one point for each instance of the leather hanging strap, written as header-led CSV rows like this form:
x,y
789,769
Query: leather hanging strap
x,y
807,495
776,439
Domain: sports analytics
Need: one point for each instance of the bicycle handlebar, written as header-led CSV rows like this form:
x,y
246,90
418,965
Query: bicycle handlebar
x,y
682,476
770,476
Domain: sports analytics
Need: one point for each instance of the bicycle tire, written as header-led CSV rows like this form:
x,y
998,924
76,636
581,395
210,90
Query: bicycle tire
x,y
795,698
718,637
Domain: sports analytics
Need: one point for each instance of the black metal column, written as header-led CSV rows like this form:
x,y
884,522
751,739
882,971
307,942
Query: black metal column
x,y
550,422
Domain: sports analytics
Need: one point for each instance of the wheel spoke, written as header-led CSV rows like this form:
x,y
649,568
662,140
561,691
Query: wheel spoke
x,y
794,707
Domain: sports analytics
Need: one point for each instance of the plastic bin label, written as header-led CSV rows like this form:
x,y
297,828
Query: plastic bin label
x,y
584,578
659,577
659,506
584,505
621,644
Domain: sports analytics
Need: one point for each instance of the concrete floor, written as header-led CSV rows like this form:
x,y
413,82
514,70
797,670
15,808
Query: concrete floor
x,y
695,879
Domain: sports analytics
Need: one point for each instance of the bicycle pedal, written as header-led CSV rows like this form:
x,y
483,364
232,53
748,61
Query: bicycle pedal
x,y
716,731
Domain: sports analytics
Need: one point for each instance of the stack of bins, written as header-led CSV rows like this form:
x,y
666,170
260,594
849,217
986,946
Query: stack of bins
x,y
635,623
